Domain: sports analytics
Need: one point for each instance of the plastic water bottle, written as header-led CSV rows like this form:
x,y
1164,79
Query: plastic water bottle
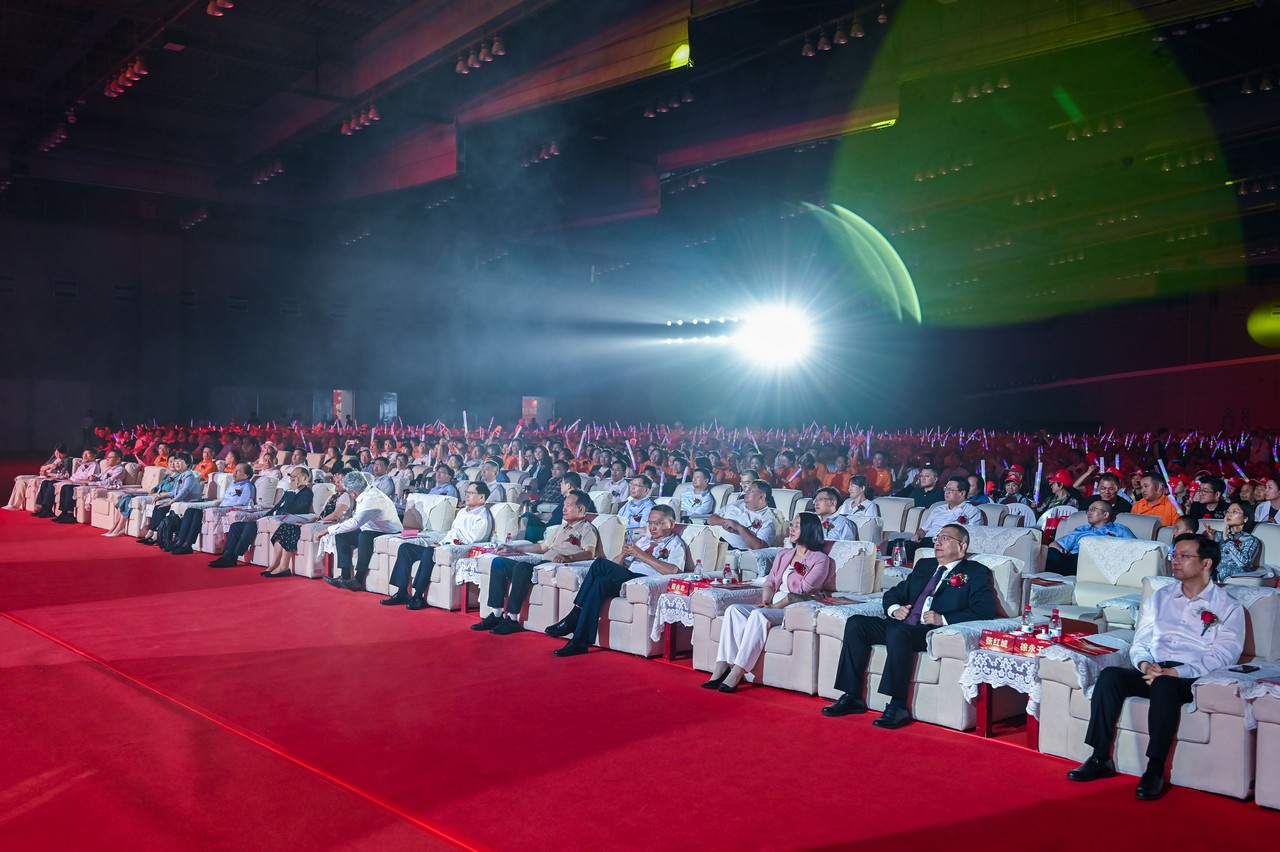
x,y
728,572
1026,619
1055,627
697,570
899,556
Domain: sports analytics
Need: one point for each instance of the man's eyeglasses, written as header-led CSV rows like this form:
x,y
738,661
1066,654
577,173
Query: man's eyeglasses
x,y
945,537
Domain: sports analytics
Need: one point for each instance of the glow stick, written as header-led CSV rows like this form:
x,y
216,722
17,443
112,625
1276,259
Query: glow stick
x,y
1243,475
1117,461
1039,472
1167,484
519,429
792,477
464,421
521,459
632,454
982,468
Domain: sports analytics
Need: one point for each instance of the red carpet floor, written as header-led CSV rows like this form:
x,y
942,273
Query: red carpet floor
x,y
218,710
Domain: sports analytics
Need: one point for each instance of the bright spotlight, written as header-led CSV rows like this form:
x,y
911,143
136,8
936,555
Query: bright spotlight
x,y
695,322
769,337
679,322
668,323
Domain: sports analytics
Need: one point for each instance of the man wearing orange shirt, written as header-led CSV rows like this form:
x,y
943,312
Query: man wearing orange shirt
x,y
878,474
1155,502
839,477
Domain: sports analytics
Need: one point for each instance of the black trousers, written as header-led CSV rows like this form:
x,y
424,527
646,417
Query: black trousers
x,y
348,542
406,558
160,515
240,538
189,528
504,572
1167,695
1061,562
602,583
44,498
902,642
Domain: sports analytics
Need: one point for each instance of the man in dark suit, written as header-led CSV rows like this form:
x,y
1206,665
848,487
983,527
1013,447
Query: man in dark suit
x,y
948,589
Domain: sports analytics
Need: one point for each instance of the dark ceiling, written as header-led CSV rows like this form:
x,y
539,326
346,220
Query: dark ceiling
x,y
1057,155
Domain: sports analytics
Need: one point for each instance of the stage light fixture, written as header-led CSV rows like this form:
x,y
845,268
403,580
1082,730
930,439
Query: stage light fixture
x,y
807,50
761,335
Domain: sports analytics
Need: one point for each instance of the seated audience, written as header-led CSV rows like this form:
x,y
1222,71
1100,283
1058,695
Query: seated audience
x,y
945,589
835,527
635,512
1208,501
698,502
473,524
1185,629
510,580
1269,502
1064,553
799,573
374,515
955,509
240,494
284,541
1155,501
748,524
240,537
1239,548
658,553
861,498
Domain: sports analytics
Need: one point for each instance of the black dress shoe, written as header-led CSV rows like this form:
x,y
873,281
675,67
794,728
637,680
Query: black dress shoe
x,y
336,582
416,602
845,705
65,518
1150,786
715,682
398,599
42,513
572,648
223,562
507,627
1093,769
563,627
894,718
149,542
726,688
182,550
277,573
489,622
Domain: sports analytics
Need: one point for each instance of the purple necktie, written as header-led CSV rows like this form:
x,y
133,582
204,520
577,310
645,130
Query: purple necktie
x,y
917,608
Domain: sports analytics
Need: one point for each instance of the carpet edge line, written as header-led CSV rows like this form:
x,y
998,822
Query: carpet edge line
x,y
252,737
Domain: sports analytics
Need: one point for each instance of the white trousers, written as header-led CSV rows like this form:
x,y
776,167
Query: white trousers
x,y
743,634
18,498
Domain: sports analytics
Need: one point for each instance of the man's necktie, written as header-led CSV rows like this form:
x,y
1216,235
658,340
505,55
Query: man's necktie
x,y
917,608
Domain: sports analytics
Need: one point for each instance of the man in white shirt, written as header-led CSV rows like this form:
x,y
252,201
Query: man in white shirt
x,y
748,524
1185,630
658,553
835,527
617,485
698,502
473,524
954,509
374,515
635,512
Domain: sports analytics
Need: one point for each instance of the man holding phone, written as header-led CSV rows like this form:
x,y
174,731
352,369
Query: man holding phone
x,y
1185,630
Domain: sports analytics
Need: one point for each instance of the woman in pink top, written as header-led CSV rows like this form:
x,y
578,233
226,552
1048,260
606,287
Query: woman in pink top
x,y
799,573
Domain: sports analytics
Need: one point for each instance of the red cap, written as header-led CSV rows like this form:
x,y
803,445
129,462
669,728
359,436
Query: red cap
x,y
1062,478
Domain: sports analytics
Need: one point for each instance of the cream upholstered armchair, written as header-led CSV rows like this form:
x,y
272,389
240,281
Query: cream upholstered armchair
x,y
260,552
422,512
626,622
1266,710
936,695
1108,583
86,497
789,660
1215,745
102,510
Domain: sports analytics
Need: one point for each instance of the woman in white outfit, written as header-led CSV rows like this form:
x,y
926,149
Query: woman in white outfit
x,y
799,572
860,495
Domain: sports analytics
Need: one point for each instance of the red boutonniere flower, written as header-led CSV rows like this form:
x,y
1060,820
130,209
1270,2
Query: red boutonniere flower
x,y
574,540
636,517
964,519
662,554
1208,619
755,525
800,567
457,541
957,580
827,525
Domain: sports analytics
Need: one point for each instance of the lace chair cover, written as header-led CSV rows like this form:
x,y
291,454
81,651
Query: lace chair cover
x,y
1056,512
1087,667
1115,556
1132,603
763,559
1022,510
970,632
672,607
994,539
1248,686
1062,594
